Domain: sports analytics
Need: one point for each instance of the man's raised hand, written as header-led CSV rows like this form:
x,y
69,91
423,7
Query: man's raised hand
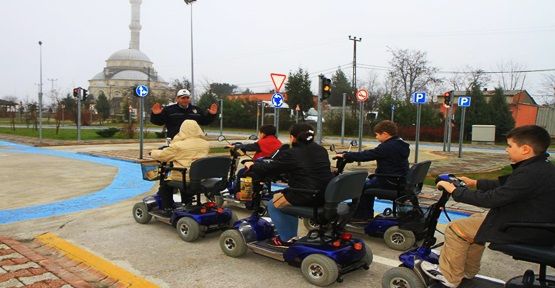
x,y
213,109
156,108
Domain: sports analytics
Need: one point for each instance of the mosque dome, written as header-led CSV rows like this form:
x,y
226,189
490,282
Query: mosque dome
x,y
130,75
99,76
129,54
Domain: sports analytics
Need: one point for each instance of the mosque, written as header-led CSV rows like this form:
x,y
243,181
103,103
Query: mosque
x,y
127,68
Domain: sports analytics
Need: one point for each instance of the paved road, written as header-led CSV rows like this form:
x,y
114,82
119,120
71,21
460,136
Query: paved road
x,y
156,252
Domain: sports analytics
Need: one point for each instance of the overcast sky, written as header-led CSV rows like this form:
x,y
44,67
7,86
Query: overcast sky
x,y
242,41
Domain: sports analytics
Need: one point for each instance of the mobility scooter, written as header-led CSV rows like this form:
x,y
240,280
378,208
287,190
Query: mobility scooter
x,y
410,274
324,255
192,218
230,195
403,224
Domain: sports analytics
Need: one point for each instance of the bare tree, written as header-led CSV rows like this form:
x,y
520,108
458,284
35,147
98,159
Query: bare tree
x,y
511,76
470,77
548,90
410,71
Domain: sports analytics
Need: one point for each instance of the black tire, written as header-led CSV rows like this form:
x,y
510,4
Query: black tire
x,y
188,229
319,270
140,213
369,255
310,225
399,239
401,277
232,243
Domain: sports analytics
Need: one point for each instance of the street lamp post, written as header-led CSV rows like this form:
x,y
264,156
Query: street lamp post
x,y
40,94
192,64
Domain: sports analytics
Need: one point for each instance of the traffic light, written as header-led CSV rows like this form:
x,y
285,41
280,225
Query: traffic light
x,y
447,97
76,92
85,93
326,88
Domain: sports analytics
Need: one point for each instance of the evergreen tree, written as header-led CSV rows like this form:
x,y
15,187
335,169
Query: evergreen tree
x,y
340,85
103,107
206,99
298,90
501,115
222,89
479,112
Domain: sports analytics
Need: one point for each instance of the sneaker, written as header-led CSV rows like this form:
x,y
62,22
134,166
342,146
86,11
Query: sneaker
x,y
468,276
432,270
276,241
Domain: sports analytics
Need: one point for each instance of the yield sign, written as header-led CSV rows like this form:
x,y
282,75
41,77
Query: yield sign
x,y
362,95
278,80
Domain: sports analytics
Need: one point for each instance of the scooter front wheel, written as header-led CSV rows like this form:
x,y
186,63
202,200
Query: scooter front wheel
x,y
232,243
140,213
188,229
401,277
319,270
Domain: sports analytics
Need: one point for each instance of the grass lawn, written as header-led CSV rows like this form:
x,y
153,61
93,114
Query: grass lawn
x,y
430,180
67,134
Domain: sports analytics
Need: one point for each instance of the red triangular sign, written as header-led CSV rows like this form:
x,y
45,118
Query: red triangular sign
x,y
278,80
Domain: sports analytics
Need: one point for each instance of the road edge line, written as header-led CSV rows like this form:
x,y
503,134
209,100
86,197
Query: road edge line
x,y
98,263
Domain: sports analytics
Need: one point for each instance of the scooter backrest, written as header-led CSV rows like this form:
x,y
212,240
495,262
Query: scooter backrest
x,y
209,167
416,175
345,186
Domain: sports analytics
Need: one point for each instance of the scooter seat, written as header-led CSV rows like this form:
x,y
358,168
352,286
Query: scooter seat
x,y
301,211
212,183
529,253
308,212
382,193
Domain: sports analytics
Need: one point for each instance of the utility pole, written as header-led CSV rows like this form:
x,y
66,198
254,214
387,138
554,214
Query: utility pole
x,y
40,95
361,104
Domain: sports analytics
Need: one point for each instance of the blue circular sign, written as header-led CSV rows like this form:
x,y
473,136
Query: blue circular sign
x,y
277,100
141,91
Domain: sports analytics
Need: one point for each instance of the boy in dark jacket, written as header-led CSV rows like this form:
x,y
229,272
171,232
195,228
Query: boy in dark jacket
x,y
391,157
526,195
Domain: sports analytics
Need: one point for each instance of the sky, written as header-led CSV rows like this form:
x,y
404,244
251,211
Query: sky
x,y
242,41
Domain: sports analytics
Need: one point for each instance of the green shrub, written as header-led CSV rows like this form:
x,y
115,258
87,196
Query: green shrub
x,y
107,133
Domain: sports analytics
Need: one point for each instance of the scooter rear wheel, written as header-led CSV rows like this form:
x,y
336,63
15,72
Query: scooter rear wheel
x,y
401,277
399,239
140,213
232,243
319,270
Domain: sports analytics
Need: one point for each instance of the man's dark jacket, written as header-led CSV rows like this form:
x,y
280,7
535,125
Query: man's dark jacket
x,y
526,195
173,115
391,158
307,166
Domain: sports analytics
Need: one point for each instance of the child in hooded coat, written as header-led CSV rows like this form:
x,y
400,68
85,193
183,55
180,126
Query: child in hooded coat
x,y
188,145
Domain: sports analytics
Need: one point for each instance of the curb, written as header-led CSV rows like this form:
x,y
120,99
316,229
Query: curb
x,y
106,267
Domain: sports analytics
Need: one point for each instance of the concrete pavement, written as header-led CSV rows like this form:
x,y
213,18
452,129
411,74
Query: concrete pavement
x,y
155,252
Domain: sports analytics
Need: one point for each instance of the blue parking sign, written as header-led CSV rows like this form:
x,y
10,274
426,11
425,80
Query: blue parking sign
x,y
418,97
464,101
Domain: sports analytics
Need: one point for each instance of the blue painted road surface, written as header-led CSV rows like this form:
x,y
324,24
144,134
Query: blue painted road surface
x,y
127,183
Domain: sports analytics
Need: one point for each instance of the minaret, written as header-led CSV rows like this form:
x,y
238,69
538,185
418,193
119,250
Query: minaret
x,y
135,25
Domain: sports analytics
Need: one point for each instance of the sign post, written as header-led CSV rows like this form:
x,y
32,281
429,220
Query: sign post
x,y
141,91
418,98
464,101
362,95
277,102
277,98
343,118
